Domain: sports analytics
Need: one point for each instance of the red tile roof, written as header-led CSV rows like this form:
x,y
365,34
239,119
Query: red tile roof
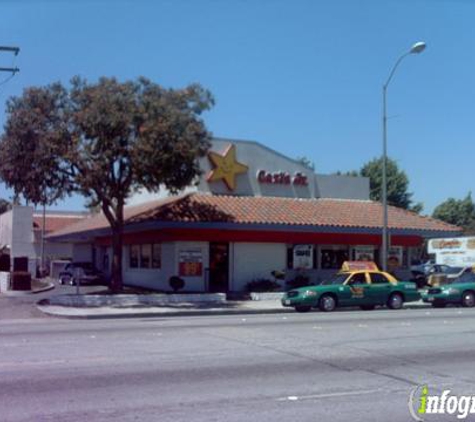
x,y
54,223
199,208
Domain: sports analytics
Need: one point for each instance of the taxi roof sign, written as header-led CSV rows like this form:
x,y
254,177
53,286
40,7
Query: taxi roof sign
x,y
359,266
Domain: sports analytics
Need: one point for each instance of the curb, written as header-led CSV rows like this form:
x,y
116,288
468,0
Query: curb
x,y
151,314
189,313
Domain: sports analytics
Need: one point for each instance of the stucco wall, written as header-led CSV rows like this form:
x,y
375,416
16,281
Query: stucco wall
x,y
255,260
257,157
22,232
82,252
6,224
156,279
54,250
342,187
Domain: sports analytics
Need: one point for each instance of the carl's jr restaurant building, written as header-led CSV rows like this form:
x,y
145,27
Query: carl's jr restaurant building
x,y
254,211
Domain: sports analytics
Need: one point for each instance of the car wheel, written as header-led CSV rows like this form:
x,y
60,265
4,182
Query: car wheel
x,y
395,301
367,307
468,299
439,305
327,303
302,308
64,279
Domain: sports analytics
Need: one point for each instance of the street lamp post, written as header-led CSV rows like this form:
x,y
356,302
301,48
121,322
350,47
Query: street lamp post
x,y
417,48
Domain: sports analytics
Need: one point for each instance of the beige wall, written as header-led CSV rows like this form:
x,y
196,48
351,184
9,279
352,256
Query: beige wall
x,y
251,261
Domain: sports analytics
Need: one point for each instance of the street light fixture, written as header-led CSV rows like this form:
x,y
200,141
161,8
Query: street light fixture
x,y
417,48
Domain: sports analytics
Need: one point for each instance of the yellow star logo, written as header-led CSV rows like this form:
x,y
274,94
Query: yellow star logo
x,y
226,167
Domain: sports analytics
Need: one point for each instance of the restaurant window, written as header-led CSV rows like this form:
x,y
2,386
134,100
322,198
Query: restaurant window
x,y
156,255
134,256
333,258
145,256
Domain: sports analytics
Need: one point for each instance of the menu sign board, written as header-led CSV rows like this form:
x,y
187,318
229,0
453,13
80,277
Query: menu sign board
x,y
395,257
303,257
190,263
457,251
364,253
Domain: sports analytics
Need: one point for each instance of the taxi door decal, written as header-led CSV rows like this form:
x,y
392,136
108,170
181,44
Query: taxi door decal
x,y
357,292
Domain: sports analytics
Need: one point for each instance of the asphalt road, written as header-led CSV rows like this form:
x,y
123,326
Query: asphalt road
x,y
344,366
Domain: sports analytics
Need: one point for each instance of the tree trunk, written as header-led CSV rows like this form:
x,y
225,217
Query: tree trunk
x,y
117,240
116,221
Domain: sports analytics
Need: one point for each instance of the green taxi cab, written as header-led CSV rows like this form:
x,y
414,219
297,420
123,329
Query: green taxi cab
x,y
356,285
460,291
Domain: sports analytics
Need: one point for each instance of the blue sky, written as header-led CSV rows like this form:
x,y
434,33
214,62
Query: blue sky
x,y
302,77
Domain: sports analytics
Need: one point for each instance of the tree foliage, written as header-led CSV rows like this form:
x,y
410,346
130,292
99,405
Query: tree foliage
x,y
397,183
351,173
104,140
460,212
306,162
4,205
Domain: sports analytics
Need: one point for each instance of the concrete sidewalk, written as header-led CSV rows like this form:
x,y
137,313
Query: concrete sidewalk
x,y
183,309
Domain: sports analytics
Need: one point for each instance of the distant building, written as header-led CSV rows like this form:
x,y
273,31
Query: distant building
x,y
253,211
21,231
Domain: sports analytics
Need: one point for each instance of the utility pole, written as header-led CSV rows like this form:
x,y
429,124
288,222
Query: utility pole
x,y
15,51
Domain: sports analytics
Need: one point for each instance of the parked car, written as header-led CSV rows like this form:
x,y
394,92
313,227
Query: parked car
x,y
84,272
419,267
364,288
423,273
428,269
460,290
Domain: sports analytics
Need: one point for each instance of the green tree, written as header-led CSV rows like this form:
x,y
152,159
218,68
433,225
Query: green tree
x,y
351,173
104,140
460,212
4,205
397,184
306,162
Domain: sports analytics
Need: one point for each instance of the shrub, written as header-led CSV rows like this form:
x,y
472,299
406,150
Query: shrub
x,y
298,281
176,283
278,275
21,280
262,285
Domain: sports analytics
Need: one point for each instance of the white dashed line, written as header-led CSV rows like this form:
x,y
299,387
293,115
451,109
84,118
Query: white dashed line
x,y
330,395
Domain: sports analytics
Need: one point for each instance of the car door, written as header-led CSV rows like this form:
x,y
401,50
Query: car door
x,y
355,290
379,289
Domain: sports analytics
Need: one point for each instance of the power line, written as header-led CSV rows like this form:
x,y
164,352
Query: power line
x,y
12,70
15,51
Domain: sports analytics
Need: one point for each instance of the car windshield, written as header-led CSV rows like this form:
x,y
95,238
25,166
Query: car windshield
x,y
337,279
452,270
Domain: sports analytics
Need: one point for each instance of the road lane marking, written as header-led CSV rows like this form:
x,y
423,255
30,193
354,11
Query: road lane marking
x,y
339,394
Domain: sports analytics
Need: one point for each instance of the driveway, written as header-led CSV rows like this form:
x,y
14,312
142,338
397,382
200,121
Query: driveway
x,y
23,307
